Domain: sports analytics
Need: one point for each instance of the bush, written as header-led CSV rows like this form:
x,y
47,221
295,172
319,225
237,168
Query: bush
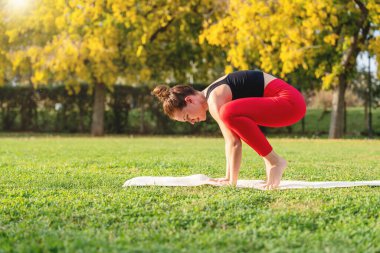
x,y
132,110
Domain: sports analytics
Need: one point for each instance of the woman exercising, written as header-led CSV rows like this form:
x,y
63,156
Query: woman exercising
x,y
240,102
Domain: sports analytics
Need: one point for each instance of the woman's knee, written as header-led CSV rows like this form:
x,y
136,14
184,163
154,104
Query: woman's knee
x,y
226,113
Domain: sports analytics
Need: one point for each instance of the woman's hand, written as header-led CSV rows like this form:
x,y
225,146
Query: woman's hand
x,y
220,181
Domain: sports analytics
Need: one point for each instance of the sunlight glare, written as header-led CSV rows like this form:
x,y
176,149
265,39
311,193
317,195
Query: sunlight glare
x,y
18,4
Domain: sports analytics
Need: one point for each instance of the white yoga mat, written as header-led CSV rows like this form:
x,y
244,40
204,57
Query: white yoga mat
x,y
200,179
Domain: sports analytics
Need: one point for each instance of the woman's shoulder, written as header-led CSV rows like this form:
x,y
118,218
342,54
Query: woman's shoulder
x,y
220,96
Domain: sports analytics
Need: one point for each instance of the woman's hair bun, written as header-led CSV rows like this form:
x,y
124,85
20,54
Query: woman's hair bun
x,y
162,92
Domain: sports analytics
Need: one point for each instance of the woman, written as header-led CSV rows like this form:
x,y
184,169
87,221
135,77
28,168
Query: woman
x,y
240,102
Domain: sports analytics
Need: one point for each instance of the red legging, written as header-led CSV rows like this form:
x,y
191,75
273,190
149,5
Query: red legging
x,y
282,105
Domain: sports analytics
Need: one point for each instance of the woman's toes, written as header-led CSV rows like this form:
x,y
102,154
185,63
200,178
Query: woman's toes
x,y
270,186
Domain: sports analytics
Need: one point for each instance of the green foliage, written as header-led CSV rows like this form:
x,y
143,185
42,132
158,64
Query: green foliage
x,y
132,110
64,194
104,42
283,36
317,123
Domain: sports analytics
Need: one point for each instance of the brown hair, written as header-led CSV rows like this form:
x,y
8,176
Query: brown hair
x,y
173,98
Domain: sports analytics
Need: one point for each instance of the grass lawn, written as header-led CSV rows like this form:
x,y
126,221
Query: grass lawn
x,y
64,194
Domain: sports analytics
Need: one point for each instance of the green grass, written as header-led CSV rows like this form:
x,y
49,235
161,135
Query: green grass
x,y
64,194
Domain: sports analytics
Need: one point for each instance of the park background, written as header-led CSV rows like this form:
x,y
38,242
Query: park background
x,y
89,66
71,70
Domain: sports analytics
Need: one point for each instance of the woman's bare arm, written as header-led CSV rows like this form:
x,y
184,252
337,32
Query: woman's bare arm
x,y
233,146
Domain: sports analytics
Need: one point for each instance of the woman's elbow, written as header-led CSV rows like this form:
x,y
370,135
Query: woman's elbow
x,y
236,143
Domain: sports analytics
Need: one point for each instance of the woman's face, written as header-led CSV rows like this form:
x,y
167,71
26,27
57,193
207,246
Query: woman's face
x,y
193,112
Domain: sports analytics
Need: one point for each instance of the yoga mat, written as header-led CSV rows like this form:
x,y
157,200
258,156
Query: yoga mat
x,y
200,179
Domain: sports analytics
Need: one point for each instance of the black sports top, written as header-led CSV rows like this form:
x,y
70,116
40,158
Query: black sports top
x,y
246,83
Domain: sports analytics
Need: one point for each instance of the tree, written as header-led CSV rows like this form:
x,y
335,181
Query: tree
x,y
322,37
100,42
170,48
367,87
5,65
23,35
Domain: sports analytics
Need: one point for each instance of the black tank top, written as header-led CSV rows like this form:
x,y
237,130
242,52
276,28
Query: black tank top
x,y
246,83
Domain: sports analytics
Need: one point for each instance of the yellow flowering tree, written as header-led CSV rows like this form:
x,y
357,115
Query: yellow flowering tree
x,y
169,48
5,65
322,37
14,38
99,42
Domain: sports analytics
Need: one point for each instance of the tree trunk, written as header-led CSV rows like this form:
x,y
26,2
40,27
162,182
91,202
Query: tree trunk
x,y
97,126
81,118
345,118
142,123
366,126
337,114
369,118
28,110
347,63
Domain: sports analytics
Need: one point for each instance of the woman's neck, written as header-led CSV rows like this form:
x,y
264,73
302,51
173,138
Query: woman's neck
x,y
202,97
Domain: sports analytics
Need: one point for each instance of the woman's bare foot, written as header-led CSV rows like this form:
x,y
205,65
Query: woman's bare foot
x,y
275,166
267,170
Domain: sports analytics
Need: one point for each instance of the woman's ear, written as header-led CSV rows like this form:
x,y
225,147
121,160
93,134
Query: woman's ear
x,y
189,99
